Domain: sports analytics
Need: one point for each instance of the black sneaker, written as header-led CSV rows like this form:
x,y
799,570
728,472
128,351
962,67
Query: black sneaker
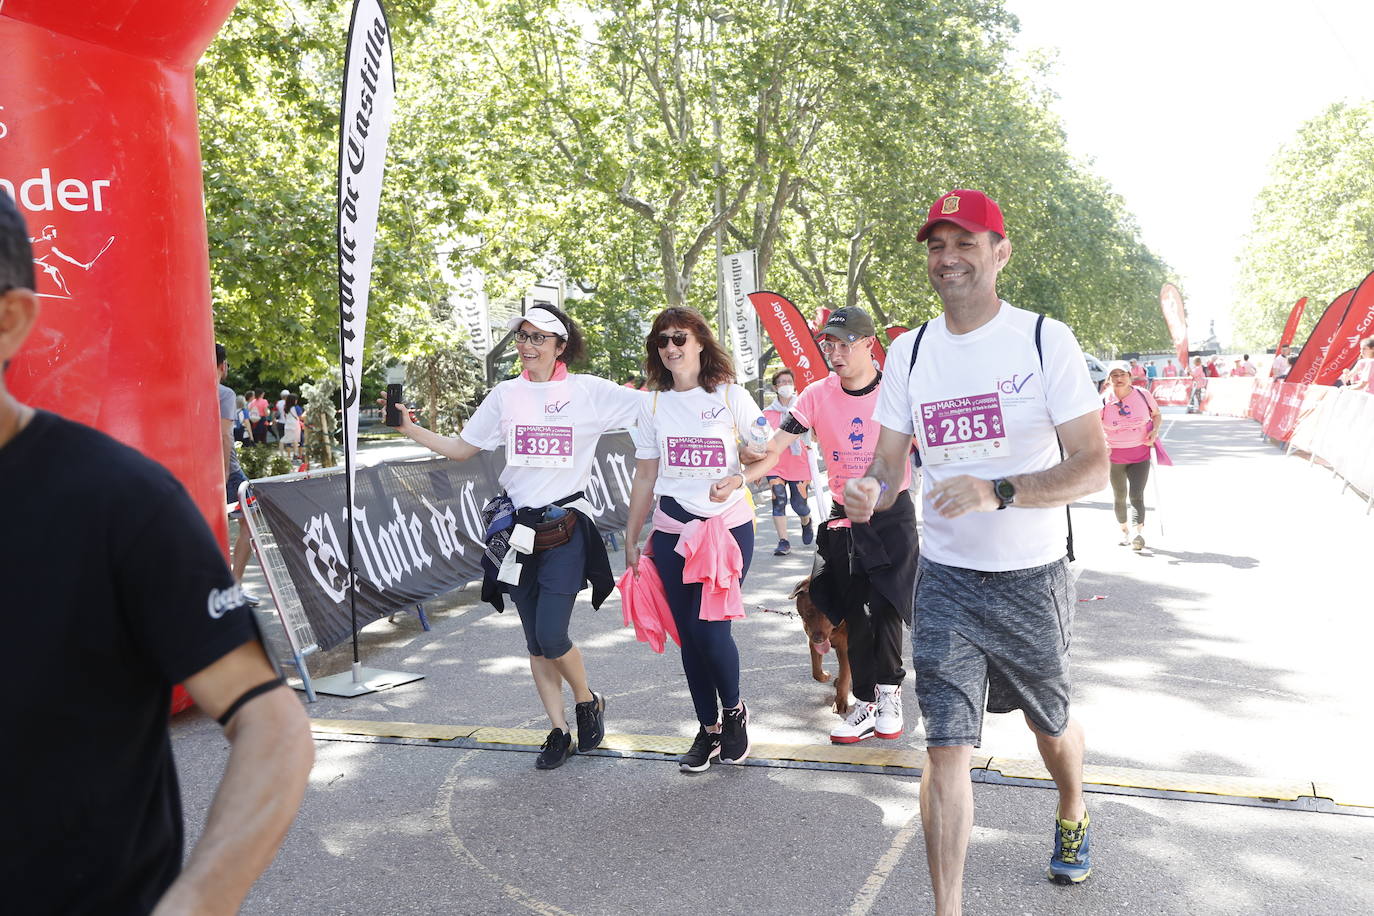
x,y
734,735
808,532
591,723
556,750
698,757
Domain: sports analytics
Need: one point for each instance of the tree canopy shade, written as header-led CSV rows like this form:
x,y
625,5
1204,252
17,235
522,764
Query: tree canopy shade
x,y
606,140
1313,228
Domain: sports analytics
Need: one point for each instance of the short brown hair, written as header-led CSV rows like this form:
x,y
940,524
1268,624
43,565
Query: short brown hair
x,y
716,368
780,373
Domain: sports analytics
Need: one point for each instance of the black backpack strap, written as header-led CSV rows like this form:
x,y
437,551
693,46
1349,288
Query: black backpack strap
x,y
916,348
1040,351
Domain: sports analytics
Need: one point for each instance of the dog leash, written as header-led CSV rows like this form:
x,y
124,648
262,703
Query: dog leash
x,y
769,610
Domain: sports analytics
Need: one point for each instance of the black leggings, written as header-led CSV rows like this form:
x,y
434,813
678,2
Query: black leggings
x,y
710,658
1136,475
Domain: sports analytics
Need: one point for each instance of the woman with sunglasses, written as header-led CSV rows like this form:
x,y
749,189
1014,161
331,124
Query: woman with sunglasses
x,y
1131,419
549,420
688,471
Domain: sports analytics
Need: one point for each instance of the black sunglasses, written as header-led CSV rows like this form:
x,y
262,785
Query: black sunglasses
x,y
678,340
1122,409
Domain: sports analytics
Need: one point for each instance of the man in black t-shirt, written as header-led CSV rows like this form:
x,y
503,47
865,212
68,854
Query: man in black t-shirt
x,y
113,589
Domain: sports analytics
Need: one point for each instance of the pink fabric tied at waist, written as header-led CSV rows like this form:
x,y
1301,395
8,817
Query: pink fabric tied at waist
x,y
646,607
1162,456
712,557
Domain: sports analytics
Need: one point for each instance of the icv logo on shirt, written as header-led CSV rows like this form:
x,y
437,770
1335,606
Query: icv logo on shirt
x,y
713,413
1014,384
555,406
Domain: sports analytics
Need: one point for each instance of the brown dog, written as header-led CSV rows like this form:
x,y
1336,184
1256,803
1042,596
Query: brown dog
x,y
821,635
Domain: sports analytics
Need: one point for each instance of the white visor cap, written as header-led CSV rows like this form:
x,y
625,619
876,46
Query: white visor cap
x,y
541,318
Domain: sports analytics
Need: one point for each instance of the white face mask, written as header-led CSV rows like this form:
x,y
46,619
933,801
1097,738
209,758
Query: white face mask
x,y
785,392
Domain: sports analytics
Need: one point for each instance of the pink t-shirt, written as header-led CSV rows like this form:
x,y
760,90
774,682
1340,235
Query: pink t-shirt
x,y
1170,371
790,466
845,429
1127,424
1198,373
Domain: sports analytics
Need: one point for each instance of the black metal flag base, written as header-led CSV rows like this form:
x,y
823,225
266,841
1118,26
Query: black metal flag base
x,y
362,680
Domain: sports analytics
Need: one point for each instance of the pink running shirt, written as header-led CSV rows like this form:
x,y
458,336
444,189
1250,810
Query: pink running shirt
x,y
845,429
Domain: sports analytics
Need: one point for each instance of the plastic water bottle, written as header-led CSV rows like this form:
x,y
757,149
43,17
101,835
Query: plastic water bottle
x,y
759,433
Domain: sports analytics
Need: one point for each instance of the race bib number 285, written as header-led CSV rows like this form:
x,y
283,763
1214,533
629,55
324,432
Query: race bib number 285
x,y
962,429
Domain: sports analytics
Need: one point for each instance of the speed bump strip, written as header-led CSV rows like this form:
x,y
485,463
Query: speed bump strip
x,y
1346,793
391,729
1163,780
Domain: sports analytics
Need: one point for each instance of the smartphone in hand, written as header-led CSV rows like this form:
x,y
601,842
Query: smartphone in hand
x,y
393,397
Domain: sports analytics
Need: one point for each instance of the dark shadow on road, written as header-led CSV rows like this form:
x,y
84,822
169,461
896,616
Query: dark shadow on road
x,y
1188,556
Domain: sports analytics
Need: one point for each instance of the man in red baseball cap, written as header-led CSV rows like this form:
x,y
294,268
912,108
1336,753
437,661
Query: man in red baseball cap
x,y
989,391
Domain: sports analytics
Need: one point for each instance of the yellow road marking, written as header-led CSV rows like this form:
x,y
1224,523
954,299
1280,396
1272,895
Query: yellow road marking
x,y
897,758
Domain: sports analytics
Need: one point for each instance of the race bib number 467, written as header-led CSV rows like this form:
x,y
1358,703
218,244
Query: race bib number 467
x,y
962,429
694,456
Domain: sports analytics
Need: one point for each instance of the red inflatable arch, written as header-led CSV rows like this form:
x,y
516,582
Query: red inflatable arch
x,y
100,148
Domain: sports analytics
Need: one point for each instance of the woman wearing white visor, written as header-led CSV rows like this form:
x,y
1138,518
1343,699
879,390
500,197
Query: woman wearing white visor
x,y
540,529
1131,421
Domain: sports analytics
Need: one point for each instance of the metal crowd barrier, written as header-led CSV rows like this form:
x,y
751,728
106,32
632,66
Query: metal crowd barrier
x,y
296,639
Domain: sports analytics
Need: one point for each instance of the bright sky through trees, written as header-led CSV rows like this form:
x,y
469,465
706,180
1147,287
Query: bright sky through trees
x,y
1182,105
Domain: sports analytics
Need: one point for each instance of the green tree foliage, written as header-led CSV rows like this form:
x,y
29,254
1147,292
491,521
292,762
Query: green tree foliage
x,y
605,141
1313,227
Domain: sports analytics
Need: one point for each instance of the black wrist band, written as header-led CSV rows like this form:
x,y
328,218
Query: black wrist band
x,y
249,694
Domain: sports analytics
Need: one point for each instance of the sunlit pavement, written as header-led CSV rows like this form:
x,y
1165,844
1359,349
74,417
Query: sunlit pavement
x,y
1237,645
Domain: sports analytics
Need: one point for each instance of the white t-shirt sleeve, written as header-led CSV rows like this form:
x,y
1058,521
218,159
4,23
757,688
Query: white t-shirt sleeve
x,y
744,410
1068,389
645,433
616,406
483,428
894,408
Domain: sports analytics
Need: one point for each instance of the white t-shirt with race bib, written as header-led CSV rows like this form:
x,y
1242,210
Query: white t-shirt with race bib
x,y
694,434
550,430
988,410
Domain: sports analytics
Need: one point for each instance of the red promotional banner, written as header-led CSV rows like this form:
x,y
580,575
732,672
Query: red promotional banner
x,y
1304,367
879,353
1291,328
1171,303
99,146
791,336
1344,348
895,331
1283,411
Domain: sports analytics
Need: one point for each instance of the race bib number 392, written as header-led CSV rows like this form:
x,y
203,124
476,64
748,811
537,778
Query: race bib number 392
x,y
962,429
694,456
540,446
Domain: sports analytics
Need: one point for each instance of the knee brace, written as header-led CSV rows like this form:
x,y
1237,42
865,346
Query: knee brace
x,y
779,499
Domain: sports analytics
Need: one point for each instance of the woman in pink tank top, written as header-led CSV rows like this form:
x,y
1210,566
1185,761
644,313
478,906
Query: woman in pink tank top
x,y
1130,419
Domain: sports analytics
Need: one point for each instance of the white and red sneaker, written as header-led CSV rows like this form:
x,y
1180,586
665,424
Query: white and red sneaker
x,y
856,726
888,714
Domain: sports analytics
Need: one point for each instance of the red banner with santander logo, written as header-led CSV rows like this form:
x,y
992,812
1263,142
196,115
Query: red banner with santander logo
x,y
792,337
1344,348
100,149
1308,363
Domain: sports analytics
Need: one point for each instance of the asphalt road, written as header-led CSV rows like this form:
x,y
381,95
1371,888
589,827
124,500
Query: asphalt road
x,y
1238,644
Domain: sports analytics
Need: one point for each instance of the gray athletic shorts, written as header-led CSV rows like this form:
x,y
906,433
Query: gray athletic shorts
x,y
994,638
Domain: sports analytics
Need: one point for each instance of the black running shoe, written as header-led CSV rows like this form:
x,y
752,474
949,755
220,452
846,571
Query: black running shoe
x,y
698,757
556,750
591,723
734,735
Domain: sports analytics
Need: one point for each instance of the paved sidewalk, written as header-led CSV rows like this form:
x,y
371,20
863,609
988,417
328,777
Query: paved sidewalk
x,y
1234,647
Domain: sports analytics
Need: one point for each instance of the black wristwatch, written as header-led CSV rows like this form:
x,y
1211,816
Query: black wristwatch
x,y
1004,491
